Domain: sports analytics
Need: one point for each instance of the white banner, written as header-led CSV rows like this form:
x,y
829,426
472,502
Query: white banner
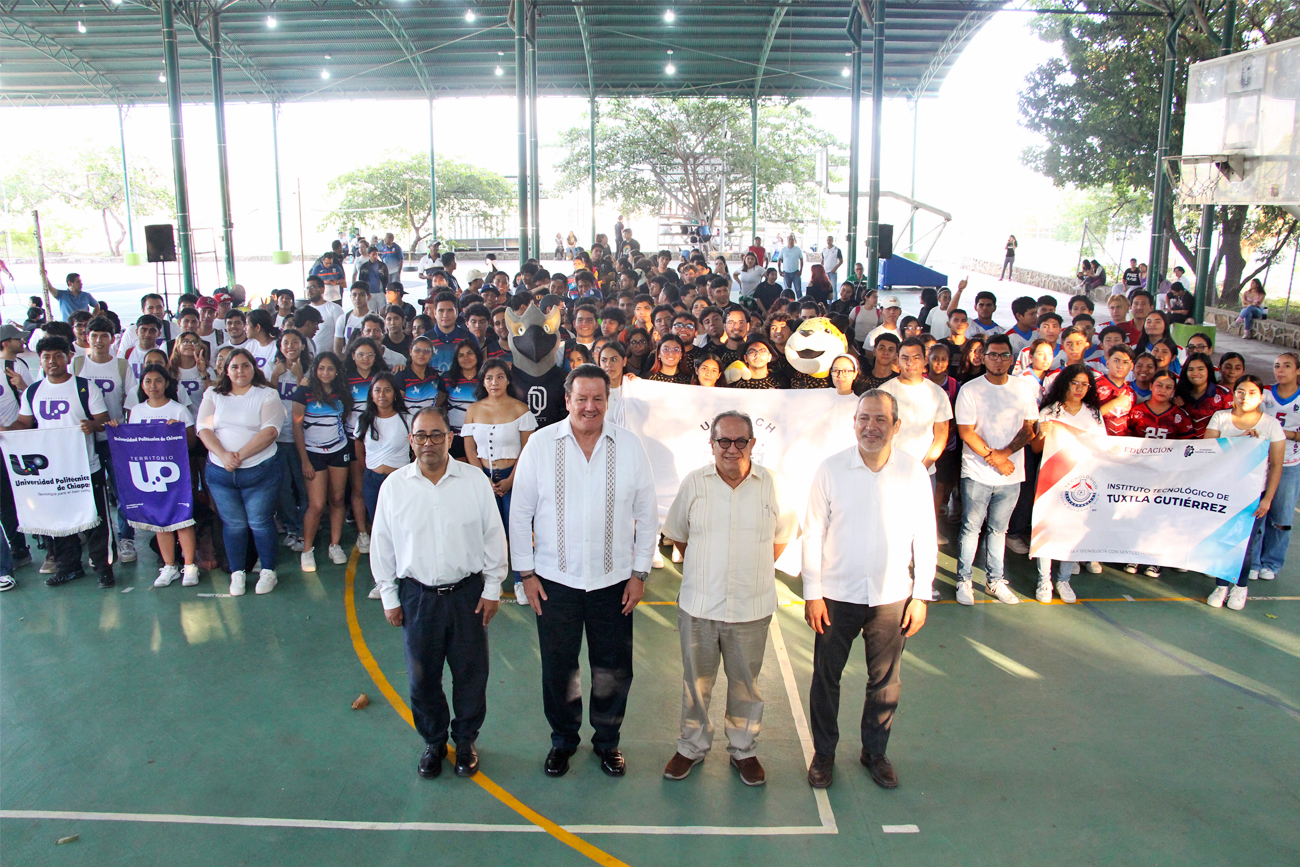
x,y
49,472
796,430
1186,504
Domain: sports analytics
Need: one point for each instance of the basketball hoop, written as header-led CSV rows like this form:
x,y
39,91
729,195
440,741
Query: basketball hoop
x,y
1196,177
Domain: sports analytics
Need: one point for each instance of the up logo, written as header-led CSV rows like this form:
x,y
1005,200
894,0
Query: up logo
x,y
28,465
53,410
154,475
107,386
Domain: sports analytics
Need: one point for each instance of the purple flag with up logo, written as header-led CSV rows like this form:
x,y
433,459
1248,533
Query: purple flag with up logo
x,y
151,465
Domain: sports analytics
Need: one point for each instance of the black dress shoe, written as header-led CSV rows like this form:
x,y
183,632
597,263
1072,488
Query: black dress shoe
x,y
557,762
430,765
466,761
64,577
106,581
882,772
611,762
821,771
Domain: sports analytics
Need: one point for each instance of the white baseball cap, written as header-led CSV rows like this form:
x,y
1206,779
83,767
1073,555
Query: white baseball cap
x,y
891,301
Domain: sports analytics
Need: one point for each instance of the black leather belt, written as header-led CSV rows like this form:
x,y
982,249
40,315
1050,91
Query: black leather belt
x,y
444,589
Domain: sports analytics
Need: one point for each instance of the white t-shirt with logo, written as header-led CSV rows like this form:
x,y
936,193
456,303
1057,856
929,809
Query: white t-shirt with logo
x,y
58,405
920,408
109,380
831,259
346,326
171,410
1287,414
263,356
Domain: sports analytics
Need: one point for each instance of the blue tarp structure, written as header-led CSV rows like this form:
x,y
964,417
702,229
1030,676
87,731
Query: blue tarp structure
x,y
898,271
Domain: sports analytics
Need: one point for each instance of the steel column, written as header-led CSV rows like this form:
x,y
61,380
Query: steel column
x,y
433,182
534,169
173,67
592,111
877,108
911,224
223,168
521,123
126,180
275,159
1160,191
855,144
753,143
1207,211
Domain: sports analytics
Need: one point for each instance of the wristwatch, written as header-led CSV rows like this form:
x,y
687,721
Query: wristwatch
x,y
641,576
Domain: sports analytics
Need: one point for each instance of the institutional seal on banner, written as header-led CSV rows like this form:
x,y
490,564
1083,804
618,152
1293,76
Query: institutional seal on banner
x,y
1080,493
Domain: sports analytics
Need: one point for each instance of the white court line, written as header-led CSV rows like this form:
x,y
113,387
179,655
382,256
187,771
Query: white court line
x,y
1128,597
827,825
901,829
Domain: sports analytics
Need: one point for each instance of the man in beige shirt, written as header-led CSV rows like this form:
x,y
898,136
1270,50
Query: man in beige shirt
x,y
731,522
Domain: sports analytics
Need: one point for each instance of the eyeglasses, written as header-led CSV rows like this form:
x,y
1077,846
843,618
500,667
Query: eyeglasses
x,y
420,437
670,350
725,443
843,371
1079,384
997,355
682,326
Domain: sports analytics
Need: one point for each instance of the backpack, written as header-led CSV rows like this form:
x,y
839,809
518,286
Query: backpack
x,y
83,394
79,364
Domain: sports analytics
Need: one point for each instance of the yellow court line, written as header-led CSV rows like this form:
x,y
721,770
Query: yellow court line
x,y
399,705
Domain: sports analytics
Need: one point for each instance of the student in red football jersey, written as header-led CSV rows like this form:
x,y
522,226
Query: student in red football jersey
x,y
1116,396
1198,394
1158,418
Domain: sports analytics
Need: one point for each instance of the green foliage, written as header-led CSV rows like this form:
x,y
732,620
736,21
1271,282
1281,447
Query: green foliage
x,y
672,155
1108,211
396,192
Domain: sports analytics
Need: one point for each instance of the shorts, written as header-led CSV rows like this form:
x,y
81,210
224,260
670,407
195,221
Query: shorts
x,y
947,469
340,458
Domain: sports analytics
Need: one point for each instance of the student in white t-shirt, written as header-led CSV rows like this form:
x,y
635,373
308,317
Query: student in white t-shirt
x,y
350,323
1282,402
64,400
158,404
382,442
1247,419
261,339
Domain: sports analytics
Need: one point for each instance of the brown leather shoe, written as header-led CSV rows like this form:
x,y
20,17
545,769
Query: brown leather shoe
x,y
821,771
882,772
751,771
679,767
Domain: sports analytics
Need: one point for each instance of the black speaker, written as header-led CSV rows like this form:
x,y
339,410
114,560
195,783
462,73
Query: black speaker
x,y
160,243
886,241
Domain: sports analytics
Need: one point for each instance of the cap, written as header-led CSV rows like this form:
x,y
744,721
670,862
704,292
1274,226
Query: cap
x,y
891,301
206,304
222,298
9,331
474,274
395,287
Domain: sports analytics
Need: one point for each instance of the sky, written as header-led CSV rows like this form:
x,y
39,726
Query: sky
x,y
968,155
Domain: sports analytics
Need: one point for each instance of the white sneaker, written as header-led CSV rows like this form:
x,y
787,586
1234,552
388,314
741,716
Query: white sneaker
x,y
189,576
1094,567
337,555
1044,592
1003,592
307,560
1215,599
1066,592
363,543
166,575
266,583
1017,545
126,550
658,562
520,596
965,593
677,555
1253,575
1151,571
1131,568
934,594
1237,598
374,593
1266,575
237,583
293,543
1074,568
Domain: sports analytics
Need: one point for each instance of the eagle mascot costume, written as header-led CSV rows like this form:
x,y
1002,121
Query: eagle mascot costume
x,y
539,358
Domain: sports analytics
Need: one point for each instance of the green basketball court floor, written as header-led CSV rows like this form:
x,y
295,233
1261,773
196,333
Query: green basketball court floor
x,y
183,727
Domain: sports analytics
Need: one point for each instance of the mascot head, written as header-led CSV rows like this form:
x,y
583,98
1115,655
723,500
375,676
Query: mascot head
x,y
813,347
534,336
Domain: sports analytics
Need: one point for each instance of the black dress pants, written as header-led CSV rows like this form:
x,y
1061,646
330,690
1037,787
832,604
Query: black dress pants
x,y
881,628
67,549
566,612
443,629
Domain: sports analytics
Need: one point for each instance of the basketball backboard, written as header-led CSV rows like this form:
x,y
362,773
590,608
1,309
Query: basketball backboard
x,y
1241,135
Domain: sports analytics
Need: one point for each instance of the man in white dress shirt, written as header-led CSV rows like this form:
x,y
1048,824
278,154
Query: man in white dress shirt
x,y
438,556
731,523
870,514
583,524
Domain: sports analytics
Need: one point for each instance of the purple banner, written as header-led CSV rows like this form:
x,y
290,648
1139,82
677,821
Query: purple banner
x,y
151,466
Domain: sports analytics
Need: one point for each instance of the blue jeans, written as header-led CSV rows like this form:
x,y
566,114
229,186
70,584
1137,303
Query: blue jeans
x,y
1270,551
793,280
293,489
245,500
503,506
981,501
1250,313
371,482
6,557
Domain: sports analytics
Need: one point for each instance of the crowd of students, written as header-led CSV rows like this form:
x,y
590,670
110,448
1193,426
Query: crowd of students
x,y
297,409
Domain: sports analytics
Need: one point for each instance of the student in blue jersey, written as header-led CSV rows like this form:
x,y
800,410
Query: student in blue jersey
x,y
446,334
291,364
364,361
325,452
420,382
1282,402
1025,309
461,384
986,304
1145,368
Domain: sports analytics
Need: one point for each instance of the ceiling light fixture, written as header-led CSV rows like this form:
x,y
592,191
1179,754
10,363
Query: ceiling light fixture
x,y
670,16
324,73
845,72
500,71
670,51
270,21
470,16
670,69
81,28
162,78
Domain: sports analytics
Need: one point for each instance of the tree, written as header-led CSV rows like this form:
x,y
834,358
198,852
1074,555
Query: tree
x,y
1098,108
91,180
675,154
396,192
